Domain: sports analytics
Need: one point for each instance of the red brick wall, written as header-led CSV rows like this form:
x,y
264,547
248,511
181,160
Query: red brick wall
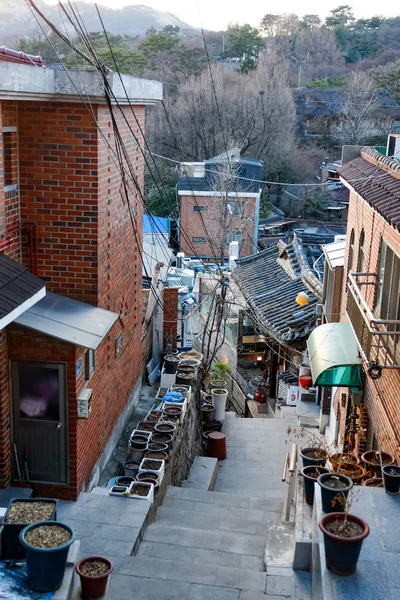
x,y
192,226
5,420
381,396
170,328
59,191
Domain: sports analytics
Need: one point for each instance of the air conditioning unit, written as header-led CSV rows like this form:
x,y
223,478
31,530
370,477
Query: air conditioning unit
x,y
393,146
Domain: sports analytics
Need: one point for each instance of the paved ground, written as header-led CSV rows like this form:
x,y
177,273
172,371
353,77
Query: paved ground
x,y
147,396
210,545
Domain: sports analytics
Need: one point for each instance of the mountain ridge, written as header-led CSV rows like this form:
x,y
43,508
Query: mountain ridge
x,y
16,19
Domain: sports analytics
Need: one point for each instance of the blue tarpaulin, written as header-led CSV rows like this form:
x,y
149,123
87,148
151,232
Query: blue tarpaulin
x,y
13,583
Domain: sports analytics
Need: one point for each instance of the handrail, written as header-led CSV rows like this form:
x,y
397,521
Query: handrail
x,y
292,478
285,466
361,300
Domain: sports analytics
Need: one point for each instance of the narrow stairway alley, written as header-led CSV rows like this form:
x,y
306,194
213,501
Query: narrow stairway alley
x,y
210,545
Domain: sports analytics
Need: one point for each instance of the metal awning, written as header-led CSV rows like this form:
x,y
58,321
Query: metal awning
x,y
334,356
334,253
69,320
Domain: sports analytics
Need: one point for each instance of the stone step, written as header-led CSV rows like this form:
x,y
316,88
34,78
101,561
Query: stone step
x,y
200,520
280,544
240,499
224,541
213,575
273,510
200,556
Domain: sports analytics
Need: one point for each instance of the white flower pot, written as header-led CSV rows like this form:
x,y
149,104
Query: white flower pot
x,y
219,401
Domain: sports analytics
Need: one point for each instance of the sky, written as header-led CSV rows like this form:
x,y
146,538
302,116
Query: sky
x,y
216,14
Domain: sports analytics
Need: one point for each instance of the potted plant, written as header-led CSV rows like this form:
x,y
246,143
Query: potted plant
x,y
164,427
185,375
149,476
340,457
332,484
19,514
190,354
141,490
207,412
374,460
310,476
373,482
154,465
219,396
220,372
162,438
157,454
94,572
391,478
158,446
352,470
343,537
131,467
171,364
46,544
137,446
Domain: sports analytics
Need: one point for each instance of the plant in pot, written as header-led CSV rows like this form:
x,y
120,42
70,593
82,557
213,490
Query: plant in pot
x,y
46,544
165,427
391,479
219,396
310,475
331,485
316,450
94,572
19,514
162,438
373,482
352,470
374,460
220,372
207,412
339,457
171,364
185,375
344,534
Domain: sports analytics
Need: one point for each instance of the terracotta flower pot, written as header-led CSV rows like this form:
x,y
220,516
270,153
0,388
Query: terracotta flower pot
x,y
373,460
94,586
352,470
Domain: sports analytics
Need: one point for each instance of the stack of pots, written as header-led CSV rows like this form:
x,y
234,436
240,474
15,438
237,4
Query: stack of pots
x,y
190,362
185,374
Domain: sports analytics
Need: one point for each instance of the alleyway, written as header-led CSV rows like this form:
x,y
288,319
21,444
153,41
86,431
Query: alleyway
x,y
211,545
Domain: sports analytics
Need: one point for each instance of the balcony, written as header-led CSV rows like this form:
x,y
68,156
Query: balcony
x,y
378,339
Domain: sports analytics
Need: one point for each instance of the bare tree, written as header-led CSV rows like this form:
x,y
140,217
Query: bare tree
x,y
256,112
356,123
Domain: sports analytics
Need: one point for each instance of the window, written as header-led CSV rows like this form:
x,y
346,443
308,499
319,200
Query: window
x,y
200,208
235,236
192,170
235,209
9,158
89,364
361,257
199,240
388,284
351,252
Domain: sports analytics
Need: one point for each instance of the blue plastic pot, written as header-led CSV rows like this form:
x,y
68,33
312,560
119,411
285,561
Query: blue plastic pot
x,y
46,566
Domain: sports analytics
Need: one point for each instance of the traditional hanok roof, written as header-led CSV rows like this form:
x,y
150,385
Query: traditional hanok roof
x,y
271,291
376,179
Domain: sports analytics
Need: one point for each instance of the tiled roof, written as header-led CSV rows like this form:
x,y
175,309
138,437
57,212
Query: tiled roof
x,y
271,293
320,103
377,186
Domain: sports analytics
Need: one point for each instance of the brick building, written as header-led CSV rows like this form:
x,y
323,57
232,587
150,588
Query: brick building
x,y
216,209
70,366
370,305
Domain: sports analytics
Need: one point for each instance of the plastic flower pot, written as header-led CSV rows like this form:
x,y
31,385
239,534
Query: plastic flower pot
x,y
207,413
185,377
334,490
171,364
174,411
162,438
146,491
340,457
310,475
373,460
190,362
191,354
313,456
342,551
124,480
46,566
149,476
157,454
391,479
373,482
131,467
158,468
93,586
219,396
159,447
352,470
164,427
11,545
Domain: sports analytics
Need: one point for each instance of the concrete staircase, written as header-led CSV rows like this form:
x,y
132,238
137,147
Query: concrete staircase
x,y
211,545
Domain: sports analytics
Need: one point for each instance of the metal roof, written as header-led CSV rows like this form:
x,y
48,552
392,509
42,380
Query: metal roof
x,y
334,253
155,225
69,320
19,290
334,355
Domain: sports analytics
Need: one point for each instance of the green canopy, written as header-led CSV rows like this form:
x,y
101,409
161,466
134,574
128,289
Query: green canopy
x,y
334,356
